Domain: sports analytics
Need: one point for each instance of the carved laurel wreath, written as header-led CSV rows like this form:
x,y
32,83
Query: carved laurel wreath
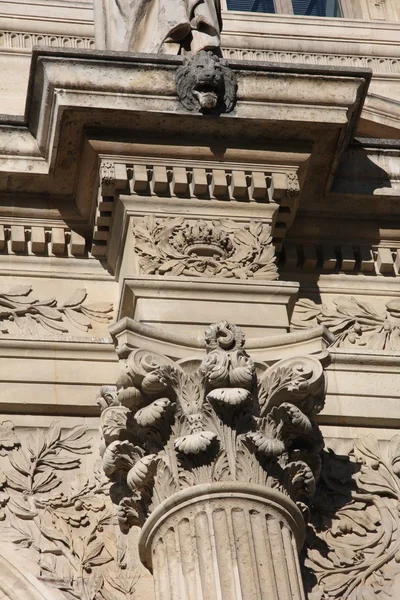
x,y
223,248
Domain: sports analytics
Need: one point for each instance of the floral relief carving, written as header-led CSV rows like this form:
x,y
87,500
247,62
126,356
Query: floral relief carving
x,y
354,322
32,315
354,544
224,248
170,425
68,531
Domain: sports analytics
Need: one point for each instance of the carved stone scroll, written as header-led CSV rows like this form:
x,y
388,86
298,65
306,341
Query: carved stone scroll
x,y
182,437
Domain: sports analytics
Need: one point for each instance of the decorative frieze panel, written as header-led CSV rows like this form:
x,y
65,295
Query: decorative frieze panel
x,y
25,40
355,323
60,520
223,249
33,316
353,545
173,425
379,64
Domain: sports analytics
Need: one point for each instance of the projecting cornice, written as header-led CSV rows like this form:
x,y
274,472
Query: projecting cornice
x,y
85,104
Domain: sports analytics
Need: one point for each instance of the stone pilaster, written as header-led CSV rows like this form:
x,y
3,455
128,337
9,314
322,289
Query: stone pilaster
x,y
228,541
216,459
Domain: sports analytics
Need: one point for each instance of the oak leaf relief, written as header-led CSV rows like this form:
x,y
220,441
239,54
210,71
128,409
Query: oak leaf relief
x,y
353,548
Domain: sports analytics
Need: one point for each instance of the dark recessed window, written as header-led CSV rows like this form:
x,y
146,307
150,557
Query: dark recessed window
x,y
317,8
263,6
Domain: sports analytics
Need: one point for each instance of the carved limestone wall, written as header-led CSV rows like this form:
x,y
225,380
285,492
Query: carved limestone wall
x,y
353,545
354,321
56,518
25,40
195,447
382,64
227,198
57,521
328,258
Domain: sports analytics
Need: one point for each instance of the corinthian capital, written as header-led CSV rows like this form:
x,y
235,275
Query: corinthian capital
x,y
171,425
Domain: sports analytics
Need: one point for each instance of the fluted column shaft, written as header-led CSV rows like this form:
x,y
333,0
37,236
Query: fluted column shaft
x,y
225,542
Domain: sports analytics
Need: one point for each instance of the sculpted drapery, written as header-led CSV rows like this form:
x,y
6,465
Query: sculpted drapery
x,y
158,26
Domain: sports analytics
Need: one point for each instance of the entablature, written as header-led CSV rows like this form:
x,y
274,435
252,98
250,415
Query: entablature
x,y
283,115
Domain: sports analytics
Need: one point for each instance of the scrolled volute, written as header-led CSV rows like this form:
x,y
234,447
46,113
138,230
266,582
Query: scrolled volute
x,y
171,425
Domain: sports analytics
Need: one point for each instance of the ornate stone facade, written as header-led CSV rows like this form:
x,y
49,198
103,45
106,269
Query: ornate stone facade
x,y
246,178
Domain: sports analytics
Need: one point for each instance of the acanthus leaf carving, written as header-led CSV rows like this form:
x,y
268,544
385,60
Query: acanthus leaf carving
x,y
216,419
355,323
31,314
225,249
353,547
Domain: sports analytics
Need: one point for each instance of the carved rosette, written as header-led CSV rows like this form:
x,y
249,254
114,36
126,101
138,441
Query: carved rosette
x,y
171,428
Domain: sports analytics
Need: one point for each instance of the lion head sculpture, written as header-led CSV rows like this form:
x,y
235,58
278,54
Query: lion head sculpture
x,y
205,83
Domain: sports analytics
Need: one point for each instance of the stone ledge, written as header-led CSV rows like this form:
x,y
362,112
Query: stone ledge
x,y
129,334
55,376
72,91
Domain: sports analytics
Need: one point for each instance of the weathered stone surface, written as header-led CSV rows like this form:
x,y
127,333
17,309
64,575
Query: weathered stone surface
x,y
228,540
170,219
242,427
160,27
205,83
